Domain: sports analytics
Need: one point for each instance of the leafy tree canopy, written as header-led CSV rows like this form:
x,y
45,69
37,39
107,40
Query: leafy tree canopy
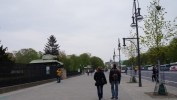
x,y
157,30
96,62
26,55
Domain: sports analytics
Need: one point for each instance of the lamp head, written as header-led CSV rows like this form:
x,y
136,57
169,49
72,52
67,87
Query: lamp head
x,y
124,42
133,25
139,18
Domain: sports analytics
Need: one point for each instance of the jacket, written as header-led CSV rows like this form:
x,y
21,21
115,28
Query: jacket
x,y
112,72
100,78
59,72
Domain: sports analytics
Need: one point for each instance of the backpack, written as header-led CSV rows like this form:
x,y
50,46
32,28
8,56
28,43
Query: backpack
x,y
115,74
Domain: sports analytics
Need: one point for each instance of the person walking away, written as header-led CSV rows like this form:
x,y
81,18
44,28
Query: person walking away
x,y
100,80
59,74
114,79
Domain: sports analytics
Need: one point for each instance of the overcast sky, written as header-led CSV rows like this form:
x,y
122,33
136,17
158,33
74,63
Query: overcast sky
x,y
80,26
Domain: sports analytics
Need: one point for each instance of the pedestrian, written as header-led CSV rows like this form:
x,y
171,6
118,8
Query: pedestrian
x,y
126,70
157,73
100,80
114,79
87,72
154,74
136,68
59,75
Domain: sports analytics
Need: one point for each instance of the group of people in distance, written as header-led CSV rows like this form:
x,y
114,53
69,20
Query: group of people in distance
x,y
114,80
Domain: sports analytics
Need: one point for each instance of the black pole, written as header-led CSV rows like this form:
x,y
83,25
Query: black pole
x,y
139,66
119,54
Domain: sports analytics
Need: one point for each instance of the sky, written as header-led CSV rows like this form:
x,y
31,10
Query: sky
x,y
80,26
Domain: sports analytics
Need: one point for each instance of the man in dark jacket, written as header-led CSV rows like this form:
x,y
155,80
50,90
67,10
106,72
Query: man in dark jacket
x,y
114,79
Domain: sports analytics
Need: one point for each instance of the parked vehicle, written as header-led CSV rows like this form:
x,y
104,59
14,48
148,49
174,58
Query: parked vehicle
x,y
148,67
123,68
165,67
173,68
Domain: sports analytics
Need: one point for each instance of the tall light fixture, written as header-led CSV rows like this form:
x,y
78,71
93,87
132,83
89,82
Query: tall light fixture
x,y
136,16
119,47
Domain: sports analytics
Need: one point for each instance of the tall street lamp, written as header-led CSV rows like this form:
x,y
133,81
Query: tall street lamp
x,y
119,47
136,16
114,55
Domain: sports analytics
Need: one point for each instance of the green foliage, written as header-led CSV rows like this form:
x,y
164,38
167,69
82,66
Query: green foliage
x,y
96,62
5,61
157,30
51,47
171,52
85,59
26,55
3,55
166,54
73,62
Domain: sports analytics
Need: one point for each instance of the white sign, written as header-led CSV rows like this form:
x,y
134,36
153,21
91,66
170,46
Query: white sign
x,y
47,70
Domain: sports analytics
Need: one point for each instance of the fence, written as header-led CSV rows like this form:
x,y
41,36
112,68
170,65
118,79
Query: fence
x,y
26,73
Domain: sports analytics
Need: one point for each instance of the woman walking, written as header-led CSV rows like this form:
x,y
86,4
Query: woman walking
x,y
100,79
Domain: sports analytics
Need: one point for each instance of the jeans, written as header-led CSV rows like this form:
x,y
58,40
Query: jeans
x,y
114,89
58,79
100,91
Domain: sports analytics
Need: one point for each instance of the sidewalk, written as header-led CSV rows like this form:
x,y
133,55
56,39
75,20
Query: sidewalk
x,y
141,93
83,88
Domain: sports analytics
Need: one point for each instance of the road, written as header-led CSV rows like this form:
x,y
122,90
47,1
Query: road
x,y
169,76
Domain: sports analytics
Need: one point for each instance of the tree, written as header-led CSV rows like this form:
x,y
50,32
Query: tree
x,y
85,59
51,47
3,55
64,59
96,62
26,55
5,61
171,53
157,30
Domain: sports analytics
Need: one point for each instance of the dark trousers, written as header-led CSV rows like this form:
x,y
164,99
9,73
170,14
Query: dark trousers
x,y
58,79
153,77
100,91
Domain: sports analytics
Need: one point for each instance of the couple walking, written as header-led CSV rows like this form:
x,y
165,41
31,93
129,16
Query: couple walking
x,y
114,79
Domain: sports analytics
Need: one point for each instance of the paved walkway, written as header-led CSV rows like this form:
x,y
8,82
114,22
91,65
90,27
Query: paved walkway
x,y
83,88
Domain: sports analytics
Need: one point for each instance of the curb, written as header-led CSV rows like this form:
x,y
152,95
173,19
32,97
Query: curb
x,y
22,86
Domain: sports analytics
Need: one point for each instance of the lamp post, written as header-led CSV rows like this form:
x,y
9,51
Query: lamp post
x,y
119,47
114,55
136,16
